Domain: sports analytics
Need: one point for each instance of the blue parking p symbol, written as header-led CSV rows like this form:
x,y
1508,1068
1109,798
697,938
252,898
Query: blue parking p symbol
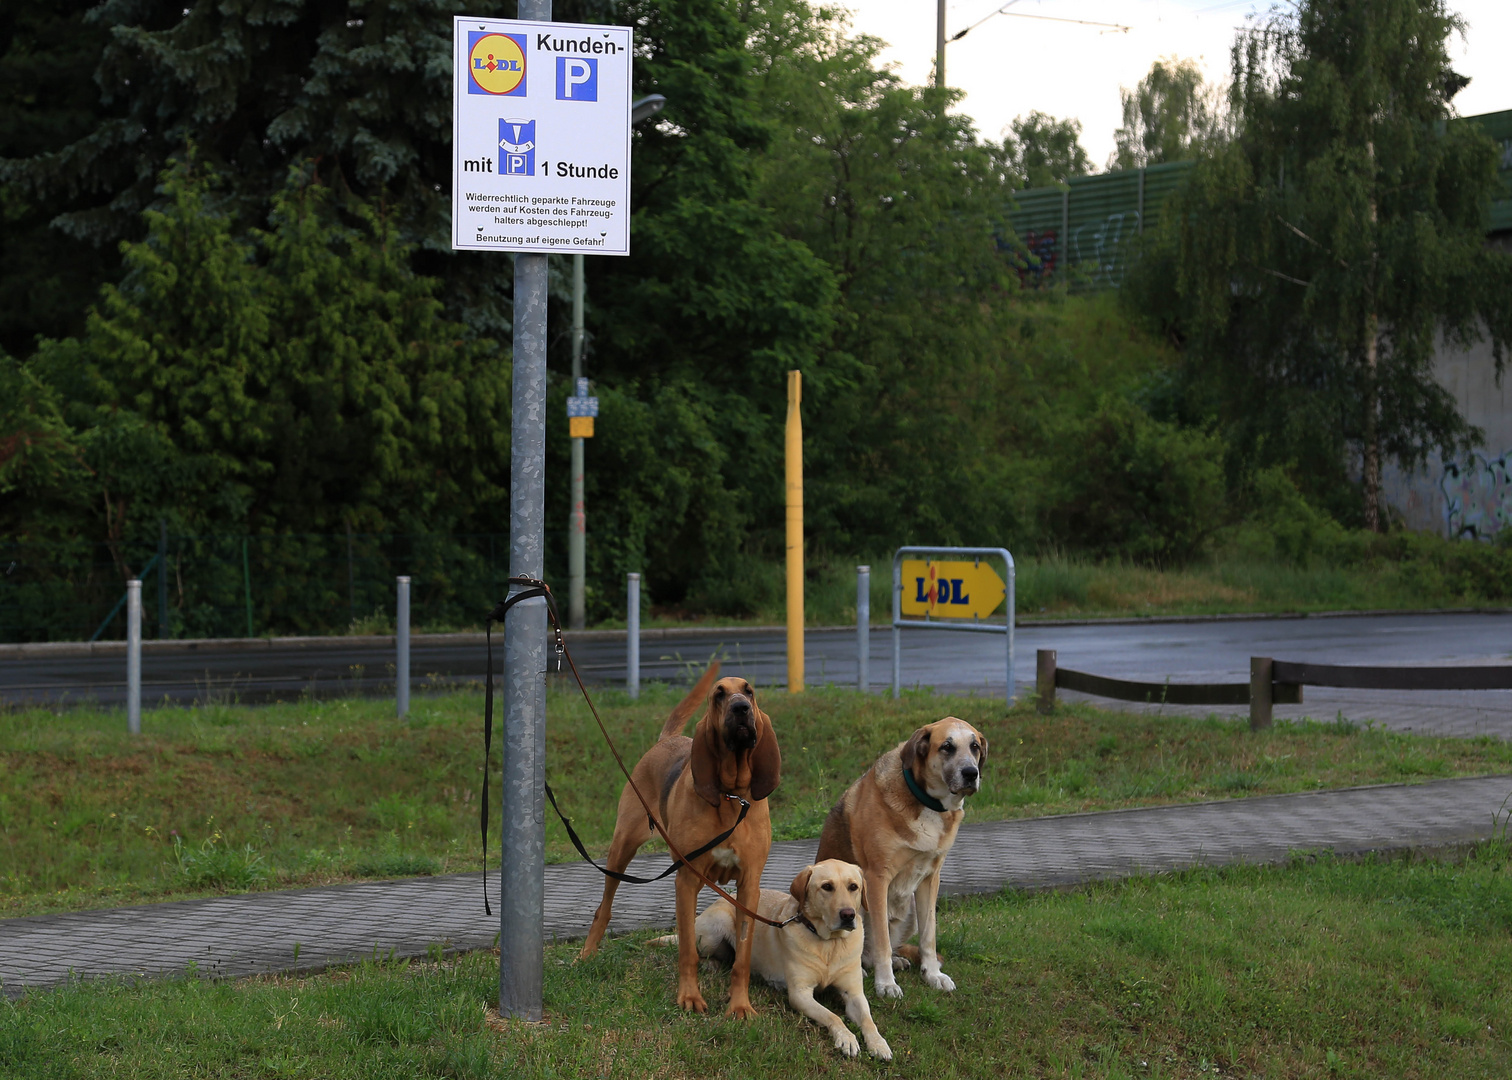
x,y
576,78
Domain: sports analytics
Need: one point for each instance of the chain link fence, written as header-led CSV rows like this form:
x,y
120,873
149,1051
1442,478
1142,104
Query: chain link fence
x,y
247,586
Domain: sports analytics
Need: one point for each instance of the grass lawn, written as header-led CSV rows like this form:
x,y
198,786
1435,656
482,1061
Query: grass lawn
x,y
1318,969
224,798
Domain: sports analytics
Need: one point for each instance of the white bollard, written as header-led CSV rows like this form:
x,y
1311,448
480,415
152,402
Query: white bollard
x,y
134,656
632,636
401,644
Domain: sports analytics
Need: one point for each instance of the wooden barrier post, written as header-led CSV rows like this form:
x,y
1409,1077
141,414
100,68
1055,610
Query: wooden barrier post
x,y
1261,670
1044,679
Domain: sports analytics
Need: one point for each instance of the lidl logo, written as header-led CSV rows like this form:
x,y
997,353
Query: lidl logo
x,y
496,64
517,145
951,590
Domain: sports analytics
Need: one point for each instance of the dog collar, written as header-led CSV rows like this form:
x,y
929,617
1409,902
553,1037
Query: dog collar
x,y
801,918
919,793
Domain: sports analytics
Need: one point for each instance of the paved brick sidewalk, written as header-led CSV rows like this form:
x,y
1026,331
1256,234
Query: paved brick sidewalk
x,y
244,935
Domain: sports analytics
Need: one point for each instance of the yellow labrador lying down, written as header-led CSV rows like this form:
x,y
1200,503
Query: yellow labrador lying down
x,y
820,950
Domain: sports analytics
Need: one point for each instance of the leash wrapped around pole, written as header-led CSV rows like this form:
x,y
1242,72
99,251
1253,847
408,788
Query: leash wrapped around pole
x,y
533,587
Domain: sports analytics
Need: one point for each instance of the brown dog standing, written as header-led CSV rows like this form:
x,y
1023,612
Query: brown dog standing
x,y
899,833
733,751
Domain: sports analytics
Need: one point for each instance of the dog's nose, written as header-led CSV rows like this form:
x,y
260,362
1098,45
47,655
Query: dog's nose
x,y
848,914
970,774
740,707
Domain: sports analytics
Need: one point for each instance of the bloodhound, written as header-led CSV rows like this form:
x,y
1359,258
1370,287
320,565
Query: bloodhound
x,y
733,751
897,822
817,948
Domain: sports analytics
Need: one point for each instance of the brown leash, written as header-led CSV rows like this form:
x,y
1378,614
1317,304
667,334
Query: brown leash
x,y
533,587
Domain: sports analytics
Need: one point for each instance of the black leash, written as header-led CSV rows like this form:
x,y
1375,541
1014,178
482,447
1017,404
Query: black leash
x,y
533,587
631,879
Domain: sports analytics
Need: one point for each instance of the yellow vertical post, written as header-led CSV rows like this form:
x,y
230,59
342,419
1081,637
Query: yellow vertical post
x,y
795,533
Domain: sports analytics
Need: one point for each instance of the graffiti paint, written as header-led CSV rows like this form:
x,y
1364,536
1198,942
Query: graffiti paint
x,y
1477,496
1041,249
1101,253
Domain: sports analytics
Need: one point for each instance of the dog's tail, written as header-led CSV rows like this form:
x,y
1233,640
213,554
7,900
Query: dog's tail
x,y
689,705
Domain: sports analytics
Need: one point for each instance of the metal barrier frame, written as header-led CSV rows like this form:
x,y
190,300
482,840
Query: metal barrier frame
x,y
899,624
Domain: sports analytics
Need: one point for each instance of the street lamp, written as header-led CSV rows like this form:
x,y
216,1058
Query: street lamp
x,y
577,519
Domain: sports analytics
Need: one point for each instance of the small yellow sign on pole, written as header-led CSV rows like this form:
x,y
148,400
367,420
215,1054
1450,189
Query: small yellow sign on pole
x,y
580,427
950,590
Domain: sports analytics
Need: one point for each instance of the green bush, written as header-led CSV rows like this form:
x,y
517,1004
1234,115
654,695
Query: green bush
x,y
1139,487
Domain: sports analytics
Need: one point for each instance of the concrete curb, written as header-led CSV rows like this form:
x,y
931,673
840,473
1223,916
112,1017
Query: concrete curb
x,y
64,649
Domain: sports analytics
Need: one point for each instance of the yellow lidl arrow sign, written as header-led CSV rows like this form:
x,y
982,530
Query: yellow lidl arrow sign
x,y
951,590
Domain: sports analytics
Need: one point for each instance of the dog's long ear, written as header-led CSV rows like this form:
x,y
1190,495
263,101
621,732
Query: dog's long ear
x,y
864,906
916,749
766,760
800,886
705,761
982,761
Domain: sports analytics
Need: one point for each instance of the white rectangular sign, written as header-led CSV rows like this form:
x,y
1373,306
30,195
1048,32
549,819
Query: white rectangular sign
x,y
541,137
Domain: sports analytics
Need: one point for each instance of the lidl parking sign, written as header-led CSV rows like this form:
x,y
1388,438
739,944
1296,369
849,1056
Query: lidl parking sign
x,y
541,137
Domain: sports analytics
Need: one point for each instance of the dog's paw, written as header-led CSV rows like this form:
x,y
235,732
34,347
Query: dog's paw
x,y
846,1041
693,1002
900,963
888,989
741,1010
878,1048
938,980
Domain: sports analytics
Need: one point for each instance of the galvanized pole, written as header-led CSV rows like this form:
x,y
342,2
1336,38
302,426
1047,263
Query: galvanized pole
x,y
863,628
1011,601
162,572
577,525
794,478
522,888
897,613
134,656
402,650
632,635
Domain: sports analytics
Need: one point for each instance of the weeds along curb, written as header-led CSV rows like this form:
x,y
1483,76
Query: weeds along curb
x,y
63,649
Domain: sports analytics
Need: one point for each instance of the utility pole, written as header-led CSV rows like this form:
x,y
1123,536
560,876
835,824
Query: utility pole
x,y
577,524
939,43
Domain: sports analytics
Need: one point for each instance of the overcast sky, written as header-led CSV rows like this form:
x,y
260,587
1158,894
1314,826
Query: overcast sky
x,y
1010,66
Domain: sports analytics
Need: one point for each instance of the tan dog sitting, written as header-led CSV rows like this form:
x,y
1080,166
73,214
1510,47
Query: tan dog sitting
x,y
817,950
733,751
898,822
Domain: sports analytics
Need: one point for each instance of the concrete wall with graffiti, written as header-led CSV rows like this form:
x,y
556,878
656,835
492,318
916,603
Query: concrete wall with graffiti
x,y
1470,495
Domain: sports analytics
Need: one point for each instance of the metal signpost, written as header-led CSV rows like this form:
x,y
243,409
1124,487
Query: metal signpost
x,y
541,163
958,593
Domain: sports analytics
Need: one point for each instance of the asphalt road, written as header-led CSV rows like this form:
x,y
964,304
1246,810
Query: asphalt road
x,y
1208,651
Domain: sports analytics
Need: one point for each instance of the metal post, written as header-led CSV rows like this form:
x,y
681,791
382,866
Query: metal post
x,y
247,583
794,471
162,573
940,43
863,628
1064,254
1261,670
522,888
1044,679
402,650
632,635
1011,617
577,524
134,656
897,613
